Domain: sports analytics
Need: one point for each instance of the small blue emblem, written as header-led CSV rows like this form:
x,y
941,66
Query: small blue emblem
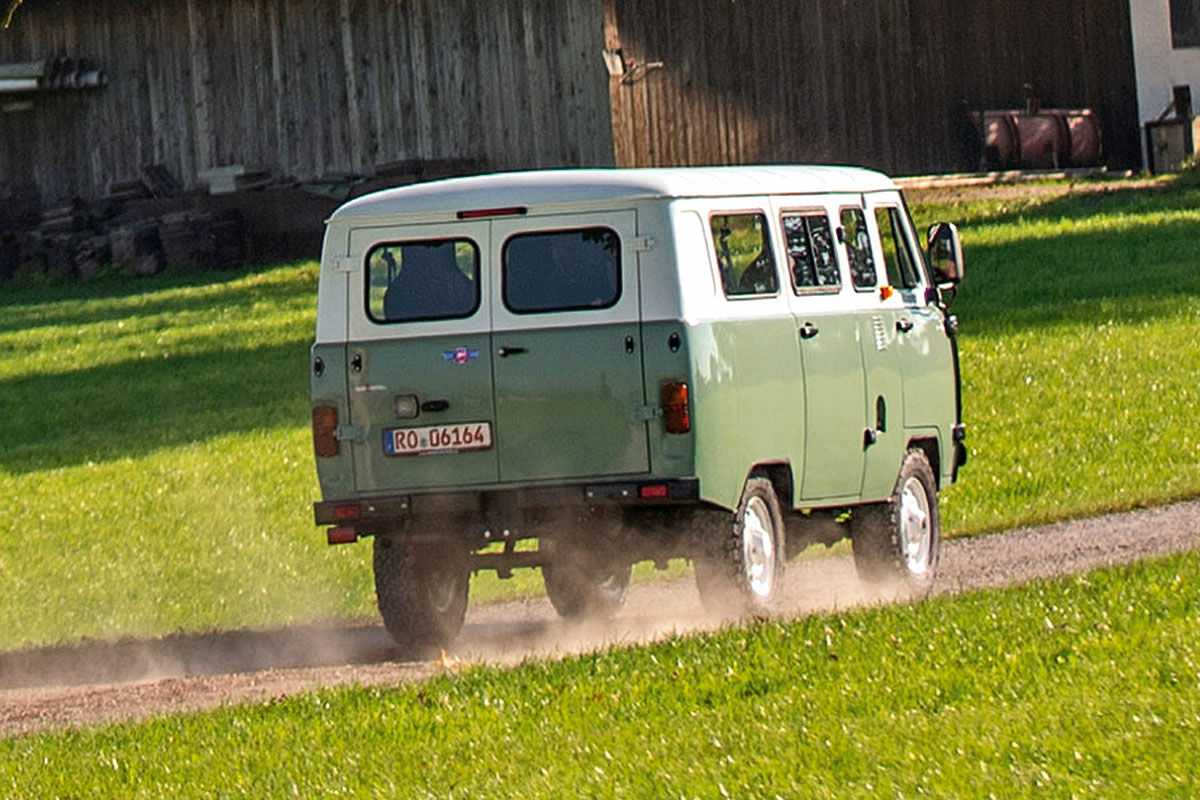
x,y
460,356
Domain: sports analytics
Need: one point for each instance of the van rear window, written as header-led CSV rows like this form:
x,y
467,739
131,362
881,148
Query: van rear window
x,y
430,280
562,271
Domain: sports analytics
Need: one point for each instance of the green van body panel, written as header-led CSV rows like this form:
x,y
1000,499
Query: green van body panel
x,y
420,367
929,390
749,402
567,406
884,393
672,455
835,402
335,475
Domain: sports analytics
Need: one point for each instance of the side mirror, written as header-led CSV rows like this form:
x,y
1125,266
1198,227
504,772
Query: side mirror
x,y
945,254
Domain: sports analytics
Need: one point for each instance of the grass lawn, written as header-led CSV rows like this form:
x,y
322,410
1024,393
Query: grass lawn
x,y
157,476
1085,686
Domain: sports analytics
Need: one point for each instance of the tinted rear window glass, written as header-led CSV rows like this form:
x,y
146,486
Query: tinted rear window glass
x,y
744,254
562,271
858,249
810,251
896,254
423,280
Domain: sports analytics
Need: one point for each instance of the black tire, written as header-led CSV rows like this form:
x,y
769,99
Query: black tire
x,y
582,585
886,552
744,571
421,591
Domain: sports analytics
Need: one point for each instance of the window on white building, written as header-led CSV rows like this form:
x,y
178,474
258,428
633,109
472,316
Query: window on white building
x,y
1185,23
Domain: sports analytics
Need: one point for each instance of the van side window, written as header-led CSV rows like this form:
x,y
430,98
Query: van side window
x,y
562,271
743,247
899,260
422,281
858,249
810,251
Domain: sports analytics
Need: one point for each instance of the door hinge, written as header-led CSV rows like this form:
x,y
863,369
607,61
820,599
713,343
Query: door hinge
x,y
647,413
643,244
343,264
350,433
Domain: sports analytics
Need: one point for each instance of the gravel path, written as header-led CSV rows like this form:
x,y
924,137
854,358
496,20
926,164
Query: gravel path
x,y
93,684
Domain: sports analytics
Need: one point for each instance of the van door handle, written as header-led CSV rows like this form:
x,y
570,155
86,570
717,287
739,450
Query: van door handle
x,y
505,352
434,406
904,325
808,330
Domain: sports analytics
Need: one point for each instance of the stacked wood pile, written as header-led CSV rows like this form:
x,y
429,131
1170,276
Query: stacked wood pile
x,y
73,242
78,240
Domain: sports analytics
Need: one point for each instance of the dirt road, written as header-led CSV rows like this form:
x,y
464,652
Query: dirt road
x,y
95,684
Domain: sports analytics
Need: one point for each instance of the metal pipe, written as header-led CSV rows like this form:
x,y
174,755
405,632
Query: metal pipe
x,y
15,85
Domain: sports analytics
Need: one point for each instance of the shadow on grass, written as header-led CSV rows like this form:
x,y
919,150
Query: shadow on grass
x,y
1179,194
132,408
81,304
1148,272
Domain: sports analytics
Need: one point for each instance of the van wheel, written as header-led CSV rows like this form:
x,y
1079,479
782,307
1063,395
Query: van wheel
x,y
899,541
580,585
422,592
744,572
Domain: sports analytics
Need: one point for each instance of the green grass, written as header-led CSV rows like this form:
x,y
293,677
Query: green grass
x,y
1084,686
1080,317
157,474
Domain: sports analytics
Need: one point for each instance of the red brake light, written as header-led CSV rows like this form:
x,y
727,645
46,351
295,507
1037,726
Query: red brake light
x,y
483,213
654,491
674,398
347,513
341,535
324,427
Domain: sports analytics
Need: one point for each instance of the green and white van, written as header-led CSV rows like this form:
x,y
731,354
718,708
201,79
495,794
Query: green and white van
x,y
724,364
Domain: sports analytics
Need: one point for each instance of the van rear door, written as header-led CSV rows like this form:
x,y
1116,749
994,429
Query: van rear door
x,y
566,347
419,359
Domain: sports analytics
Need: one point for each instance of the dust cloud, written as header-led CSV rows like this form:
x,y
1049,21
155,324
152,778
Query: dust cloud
x,y
503,633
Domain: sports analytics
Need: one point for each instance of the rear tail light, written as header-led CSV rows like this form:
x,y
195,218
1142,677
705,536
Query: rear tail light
x,y
676,418
655,491
324,426
347,513
341,535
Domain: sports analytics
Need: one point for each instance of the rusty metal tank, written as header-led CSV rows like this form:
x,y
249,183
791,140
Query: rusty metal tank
x,y
1046,138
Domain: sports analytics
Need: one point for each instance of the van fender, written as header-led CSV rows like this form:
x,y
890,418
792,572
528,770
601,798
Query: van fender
x,y
929,441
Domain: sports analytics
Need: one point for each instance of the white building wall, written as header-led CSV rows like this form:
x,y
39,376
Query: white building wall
x,y
1159,68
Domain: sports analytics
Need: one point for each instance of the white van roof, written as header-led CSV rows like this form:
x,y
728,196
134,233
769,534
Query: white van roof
x,y
592,186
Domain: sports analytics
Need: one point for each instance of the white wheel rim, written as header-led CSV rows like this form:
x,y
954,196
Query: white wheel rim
x,y
916,529
758,548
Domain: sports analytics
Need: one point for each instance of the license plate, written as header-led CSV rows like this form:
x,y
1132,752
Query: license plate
x,y
437,439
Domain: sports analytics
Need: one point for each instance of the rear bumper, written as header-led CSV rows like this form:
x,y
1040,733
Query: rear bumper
x,y
640,493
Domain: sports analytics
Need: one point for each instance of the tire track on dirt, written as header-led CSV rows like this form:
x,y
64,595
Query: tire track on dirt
x,y
99,683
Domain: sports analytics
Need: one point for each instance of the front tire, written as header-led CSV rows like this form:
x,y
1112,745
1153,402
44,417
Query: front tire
x,y
744,571
582,585
898,542
421,591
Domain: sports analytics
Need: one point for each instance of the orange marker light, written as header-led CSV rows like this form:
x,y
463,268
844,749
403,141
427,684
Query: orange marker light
x,y
885,292
674,401
324,427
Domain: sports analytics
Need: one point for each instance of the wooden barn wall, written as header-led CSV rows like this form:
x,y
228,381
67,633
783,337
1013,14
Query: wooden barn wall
x,y
306,88
884,83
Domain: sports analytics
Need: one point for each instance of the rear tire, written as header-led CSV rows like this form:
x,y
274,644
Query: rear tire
x,y
582,585
422,592
898,542
744,572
